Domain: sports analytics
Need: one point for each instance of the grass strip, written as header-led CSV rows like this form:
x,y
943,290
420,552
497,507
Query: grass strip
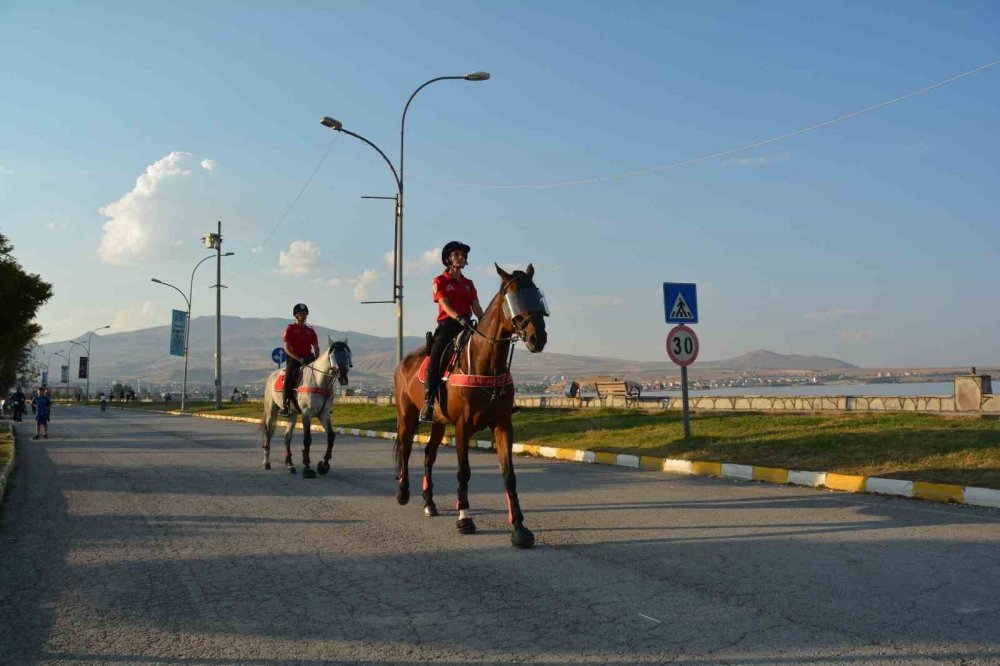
x,y
6,448
901,445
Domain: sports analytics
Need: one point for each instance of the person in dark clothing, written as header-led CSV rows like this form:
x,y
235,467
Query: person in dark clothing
x,y
43,409
17,401
457,300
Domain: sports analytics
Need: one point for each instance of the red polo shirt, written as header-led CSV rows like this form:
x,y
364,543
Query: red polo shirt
x,y
300,338
459,291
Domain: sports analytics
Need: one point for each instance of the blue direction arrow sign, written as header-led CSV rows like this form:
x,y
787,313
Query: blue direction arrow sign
x,y
279,356
680,302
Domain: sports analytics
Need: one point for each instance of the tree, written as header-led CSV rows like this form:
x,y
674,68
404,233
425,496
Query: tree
x,y
21,295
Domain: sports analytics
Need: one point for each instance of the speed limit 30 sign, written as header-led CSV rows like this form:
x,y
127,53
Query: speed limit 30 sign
x,y
682,345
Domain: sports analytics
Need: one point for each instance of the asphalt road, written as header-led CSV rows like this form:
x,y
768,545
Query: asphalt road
x,y
134,539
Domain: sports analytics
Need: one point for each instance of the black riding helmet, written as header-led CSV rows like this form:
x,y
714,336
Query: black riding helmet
x,y
451,247
300,307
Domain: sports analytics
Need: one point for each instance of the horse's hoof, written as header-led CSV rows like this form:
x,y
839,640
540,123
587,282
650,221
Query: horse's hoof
x,y
403,497
308,473
267,465
430,509
291,470
323,467
466,526
522,537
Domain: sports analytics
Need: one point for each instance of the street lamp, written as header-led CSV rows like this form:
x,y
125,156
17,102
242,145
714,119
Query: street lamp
x,y
336,125
187,332
69,375
48,363
90,365
59,353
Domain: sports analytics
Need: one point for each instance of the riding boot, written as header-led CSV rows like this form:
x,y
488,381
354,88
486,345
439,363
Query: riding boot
x,y
427,413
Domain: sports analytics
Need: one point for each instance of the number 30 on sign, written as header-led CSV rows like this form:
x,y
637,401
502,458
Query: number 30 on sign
x,y
682,345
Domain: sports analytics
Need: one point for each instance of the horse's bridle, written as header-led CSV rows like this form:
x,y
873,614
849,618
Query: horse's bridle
x,y
518,328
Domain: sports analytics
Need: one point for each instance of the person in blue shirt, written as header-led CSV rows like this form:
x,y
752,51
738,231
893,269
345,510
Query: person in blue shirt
x,y
43,408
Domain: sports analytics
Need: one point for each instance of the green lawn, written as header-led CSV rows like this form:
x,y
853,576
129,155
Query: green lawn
x,y
921,447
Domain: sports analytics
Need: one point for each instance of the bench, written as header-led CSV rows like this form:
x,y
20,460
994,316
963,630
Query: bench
x,y
630,391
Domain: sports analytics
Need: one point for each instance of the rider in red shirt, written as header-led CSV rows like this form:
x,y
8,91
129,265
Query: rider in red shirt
x,y
457,300
302,347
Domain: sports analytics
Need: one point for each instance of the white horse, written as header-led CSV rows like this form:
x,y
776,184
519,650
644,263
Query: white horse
x,y
315,399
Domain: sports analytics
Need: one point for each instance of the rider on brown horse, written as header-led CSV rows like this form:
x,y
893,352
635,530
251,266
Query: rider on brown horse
x,y
302,348
457,299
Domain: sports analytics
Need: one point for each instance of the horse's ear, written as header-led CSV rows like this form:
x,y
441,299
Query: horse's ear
x,y
530,271
329,341
504,275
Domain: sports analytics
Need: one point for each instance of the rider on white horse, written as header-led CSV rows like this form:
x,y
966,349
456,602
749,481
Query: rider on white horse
x,y
302,347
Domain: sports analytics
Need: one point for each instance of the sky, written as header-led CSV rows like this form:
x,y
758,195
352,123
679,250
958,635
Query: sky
x,y
127,130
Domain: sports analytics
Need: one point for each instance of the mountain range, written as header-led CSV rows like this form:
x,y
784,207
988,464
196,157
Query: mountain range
x,y
247,344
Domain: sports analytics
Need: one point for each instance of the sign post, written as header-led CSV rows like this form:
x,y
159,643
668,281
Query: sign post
x,y
279,356
682,348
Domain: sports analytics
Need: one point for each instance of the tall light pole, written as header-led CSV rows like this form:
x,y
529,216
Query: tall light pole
x,y
398,255
187,332
84,348
214,242
48,364
90,365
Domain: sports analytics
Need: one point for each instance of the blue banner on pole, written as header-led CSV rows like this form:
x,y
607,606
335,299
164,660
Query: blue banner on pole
x,y
178,327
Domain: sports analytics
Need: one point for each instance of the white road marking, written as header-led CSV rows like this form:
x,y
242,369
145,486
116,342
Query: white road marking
x,y
651,618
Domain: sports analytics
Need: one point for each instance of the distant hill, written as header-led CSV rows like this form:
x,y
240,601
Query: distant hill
x,y
762,359
247,343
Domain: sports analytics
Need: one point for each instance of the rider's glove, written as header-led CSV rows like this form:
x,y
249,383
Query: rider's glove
x,y
307,359
466,322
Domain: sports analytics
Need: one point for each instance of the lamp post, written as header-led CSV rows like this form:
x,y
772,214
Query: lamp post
x,y
48,363
60,353
90,365
187,332
398,251
84,348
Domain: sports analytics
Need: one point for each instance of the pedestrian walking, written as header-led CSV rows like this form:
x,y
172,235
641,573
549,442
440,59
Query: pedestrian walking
x,y
42,404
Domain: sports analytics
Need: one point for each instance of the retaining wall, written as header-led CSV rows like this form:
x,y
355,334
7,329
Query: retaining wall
x,y
988,403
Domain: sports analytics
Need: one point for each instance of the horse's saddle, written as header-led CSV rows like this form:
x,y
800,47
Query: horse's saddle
x,y
451,353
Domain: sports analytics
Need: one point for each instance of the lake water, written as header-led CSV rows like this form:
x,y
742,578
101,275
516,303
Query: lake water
x,y
808,390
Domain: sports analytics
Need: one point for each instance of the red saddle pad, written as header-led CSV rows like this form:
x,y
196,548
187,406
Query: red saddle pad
x,y
422,372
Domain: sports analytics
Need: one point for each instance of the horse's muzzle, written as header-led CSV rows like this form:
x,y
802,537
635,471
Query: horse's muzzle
x,y
535,342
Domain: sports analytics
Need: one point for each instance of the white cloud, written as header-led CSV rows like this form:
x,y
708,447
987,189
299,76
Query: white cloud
x,y
334,282
144,315
755,161
301,258
431,257
363,281
208,165
131,231
387,258
835,314
857,336
254,251
5,172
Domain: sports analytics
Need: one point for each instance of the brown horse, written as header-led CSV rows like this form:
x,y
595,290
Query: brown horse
x,y
485,400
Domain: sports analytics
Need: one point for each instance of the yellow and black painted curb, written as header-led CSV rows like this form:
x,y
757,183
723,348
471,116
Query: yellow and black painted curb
x,y
934,492
8,469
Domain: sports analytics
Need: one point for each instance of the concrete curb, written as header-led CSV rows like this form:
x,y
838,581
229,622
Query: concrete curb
x,y
8,469
933,492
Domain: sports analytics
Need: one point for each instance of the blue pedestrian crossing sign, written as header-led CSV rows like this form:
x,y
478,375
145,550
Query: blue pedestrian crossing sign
x,y
279,356
680,302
